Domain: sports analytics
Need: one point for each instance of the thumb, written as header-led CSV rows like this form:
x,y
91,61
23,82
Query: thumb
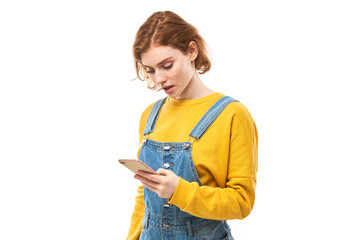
x,y
162,171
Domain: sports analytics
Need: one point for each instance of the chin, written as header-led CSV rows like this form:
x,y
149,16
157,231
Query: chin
x,y
172,94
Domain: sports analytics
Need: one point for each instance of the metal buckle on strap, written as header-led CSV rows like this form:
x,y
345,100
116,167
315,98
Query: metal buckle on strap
x,y
146,137
188,143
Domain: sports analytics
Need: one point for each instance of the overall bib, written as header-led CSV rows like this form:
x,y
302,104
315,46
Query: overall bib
x,y
165,221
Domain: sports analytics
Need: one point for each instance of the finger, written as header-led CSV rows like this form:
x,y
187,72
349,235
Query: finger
x,y
146,180
145,172
143,178
153,177
150,187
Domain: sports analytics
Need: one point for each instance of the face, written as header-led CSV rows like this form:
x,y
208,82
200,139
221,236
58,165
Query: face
x,y
170,69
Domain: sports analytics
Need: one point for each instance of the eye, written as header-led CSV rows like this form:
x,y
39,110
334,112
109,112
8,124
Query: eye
x,y
150,71
168,66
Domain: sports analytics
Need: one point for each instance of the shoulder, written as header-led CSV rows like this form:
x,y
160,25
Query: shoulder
x,y
147,110
143,119
238,109
241,123
239,114
145,114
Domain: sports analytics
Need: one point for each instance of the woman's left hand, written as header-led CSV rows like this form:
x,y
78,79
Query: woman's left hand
x,y
164,183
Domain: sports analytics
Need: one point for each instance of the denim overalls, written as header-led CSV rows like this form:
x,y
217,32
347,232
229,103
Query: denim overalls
x,y
165,221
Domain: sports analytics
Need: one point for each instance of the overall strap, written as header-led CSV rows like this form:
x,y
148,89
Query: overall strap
x,y
210,116
150,124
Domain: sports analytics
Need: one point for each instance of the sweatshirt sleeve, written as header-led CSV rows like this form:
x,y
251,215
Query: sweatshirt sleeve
x,y
139,208
236,199
137,216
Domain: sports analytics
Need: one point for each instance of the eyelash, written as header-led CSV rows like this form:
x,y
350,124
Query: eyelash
x,y
167,68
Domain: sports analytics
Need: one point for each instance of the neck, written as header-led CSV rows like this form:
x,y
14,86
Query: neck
x,y
195,89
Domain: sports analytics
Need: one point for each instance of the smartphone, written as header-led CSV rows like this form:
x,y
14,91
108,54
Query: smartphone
x,y
135,165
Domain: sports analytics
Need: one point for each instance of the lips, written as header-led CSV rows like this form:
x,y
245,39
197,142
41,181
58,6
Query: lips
x,y
168,88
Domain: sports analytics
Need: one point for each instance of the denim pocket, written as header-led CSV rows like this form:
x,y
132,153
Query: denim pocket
x,y
214,231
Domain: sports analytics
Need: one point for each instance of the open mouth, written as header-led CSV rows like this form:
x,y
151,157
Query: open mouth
x,y
167,88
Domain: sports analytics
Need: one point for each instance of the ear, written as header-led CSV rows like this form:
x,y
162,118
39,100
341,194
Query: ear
x,y
193,50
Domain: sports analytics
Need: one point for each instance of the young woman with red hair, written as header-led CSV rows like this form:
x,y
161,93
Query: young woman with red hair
x,y
202,143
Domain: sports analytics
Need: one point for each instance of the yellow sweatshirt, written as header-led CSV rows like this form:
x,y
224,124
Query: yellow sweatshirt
x,y
225,159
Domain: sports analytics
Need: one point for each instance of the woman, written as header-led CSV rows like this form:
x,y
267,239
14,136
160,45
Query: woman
x,y
202,144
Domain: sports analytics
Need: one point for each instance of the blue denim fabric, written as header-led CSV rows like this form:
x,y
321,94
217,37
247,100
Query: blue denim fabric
x,y
161,219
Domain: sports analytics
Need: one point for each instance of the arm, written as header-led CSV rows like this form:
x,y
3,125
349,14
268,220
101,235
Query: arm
x,y
236,199
139,208
216,203
137,216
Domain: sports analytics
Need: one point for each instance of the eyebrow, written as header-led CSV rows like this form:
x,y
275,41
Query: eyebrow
x,y
164,60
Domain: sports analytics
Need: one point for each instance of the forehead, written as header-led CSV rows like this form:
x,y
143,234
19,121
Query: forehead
x,y
156,54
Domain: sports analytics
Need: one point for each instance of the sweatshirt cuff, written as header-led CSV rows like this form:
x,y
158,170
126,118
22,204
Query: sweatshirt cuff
x,y
183,194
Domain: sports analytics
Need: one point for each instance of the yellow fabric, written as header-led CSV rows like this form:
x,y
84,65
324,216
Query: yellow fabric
x,y
225,159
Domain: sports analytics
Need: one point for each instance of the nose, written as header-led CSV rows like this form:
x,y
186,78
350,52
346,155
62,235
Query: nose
x,y
160,78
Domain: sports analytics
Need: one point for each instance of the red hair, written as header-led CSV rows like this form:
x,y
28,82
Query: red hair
x,y
166,28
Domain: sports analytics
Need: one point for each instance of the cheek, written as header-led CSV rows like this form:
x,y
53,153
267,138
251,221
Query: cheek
x,y
182,72
151,78
175,72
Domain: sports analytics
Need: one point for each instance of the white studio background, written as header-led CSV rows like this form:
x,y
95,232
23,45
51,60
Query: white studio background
x,y
69,111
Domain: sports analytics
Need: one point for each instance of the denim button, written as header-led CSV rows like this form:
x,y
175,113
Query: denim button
x,y
166,165
167,148
144,141
166,205
186,145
